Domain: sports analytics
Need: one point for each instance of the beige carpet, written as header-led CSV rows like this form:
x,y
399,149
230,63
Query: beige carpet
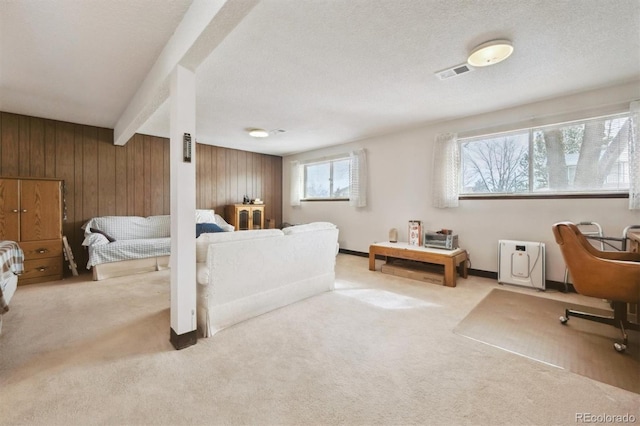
x,y
380,350
527,325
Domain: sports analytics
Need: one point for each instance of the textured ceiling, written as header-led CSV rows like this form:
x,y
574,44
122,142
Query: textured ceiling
x,y
326,71
80,61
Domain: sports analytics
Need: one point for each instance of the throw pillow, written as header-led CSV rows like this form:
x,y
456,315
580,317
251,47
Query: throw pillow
x,y
205,216
223,224
95,239
207,228
97,231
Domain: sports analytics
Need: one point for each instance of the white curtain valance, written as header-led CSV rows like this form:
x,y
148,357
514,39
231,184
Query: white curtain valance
x,y
446,164
358,179
634,157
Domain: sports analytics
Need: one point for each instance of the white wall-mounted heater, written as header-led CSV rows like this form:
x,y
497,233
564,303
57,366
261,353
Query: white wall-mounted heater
x,y
521,263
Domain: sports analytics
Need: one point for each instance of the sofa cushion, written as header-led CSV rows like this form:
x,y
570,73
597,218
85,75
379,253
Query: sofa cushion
x,y
209,228
107,236
118,250
309,227
223,224
205,216
95,239
240,236
203,241
132,227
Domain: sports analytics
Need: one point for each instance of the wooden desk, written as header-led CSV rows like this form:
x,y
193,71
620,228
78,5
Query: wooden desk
x,y
449,258
634,239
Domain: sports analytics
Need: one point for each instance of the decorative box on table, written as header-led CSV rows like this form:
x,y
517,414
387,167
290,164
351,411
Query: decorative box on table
x,y
415,233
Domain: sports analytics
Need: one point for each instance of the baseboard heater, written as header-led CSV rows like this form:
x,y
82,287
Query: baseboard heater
x,y
521,263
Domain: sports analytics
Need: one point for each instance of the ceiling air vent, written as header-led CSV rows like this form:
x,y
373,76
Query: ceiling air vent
x,y
454,71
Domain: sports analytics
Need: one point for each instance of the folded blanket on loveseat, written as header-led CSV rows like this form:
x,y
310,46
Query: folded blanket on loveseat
x,y
117,238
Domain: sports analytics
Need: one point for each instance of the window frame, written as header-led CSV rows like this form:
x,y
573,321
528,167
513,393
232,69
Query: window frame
x,y
531,194
331,161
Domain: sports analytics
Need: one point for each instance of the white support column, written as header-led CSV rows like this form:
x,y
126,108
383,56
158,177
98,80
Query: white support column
x,y
183,205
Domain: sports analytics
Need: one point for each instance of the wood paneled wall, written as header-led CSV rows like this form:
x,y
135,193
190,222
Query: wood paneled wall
x,y
133,180
225,176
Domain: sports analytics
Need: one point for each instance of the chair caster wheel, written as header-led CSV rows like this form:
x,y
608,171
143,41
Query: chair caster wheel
x,y
564,320
620,347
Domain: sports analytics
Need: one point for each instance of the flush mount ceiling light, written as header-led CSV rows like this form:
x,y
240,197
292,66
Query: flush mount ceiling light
x,y
261,133
490,53
258,133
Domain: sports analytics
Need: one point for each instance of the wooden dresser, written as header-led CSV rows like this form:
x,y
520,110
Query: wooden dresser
x,y
245,216
31,215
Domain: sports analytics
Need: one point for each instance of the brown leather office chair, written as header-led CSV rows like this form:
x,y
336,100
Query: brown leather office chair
x,y
610,275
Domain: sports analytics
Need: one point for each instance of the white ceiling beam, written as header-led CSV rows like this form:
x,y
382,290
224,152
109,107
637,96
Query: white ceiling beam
x,y
204,26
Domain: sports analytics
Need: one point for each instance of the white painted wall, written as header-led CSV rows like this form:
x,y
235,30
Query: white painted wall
x,y
400,187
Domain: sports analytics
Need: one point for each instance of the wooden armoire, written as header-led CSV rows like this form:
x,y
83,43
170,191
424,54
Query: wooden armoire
x,y
31,215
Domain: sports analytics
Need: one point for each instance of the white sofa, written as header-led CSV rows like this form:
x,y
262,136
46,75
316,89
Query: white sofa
x,y
244,274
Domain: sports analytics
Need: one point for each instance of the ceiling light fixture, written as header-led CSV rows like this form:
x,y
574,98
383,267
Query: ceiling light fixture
x,y
490,53
258,133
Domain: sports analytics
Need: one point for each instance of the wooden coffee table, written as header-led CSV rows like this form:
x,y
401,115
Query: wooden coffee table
x,y
449,258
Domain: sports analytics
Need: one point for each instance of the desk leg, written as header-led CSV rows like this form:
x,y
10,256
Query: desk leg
x,y
460,263
465,271
372,259
450,273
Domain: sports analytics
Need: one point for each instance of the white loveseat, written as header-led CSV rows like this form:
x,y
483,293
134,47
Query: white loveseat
x,y
248,273
126,245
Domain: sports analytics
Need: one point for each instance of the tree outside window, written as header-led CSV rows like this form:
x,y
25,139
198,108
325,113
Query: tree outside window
x,y
588,156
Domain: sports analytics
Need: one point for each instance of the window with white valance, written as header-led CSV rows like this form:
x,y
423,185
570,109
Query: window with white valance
x,y
338,178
